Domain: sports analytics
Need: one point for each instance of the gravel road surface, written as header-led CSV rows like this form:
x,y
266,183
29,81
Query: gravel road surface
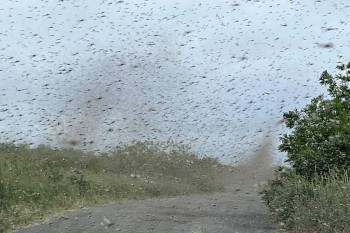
x,y
238,209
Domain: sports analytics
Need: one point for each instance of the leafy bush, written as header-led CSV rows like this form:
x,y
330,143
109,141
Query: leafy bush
x,y
312,195
320,138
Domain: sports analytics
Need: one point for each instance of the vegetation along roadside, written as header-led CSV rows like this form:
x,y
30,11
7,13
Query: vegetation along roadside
x,y
39,182
312,193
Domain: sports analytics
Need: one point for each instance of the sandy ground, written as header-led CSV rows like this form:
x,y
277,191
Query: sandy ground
x,y
238,209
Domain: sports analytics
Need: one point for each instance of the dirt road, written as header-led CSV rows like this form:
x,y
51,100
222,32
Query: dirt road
x,y
239,209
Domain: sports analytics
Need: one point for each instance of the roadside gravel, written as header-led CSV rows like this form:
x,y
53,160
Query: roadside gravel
x,y
238,209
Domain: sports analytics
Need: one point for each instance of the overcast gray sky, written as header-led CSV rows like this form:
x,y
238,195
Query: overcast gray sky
x,y
213,74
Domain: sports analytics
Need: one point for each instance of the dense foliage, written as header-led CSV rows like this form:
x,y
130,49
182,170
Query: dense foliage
x,y
319,141
312,195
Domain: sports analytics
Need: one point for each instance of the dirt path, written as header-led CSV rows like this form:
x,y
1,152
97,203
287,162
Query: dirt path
x,y
239,209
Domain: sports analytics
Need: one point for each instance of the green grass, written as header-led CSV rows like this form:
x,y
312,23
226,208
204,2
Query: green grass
x,y
321,204
36,183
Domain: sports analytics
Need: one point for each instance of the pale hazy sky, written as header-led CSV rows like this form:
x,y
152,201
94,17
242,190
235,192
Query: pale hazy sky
x,y
213,74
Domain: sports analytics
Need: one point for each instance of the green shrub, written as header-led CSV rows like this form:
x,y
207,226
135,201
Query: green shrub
x,y
312,194
319,141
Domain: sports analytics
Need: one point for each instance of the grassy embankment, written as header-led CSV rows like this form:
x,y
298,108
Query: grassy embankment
x,y
321,204
36,183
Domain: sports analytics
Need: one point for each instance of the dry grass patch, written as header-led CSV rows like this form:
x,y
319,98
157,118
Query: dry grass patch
x,y
43,181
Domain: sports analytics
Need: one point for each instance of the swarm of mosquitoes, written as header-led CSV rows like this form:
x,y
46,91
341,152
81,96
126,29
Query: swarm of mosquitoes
x,y
92,74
